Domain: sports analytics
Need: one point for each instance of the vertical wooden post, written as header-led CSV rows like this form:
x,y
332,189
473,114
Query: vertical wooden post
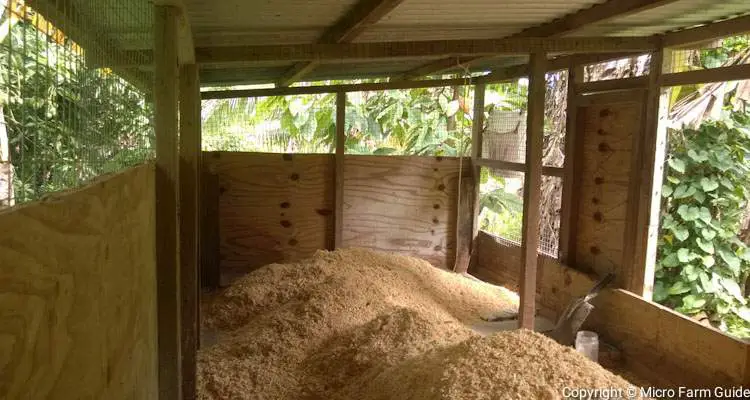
x,y
338,229
532,189
167,272
477,127
653,147
570,201
190,171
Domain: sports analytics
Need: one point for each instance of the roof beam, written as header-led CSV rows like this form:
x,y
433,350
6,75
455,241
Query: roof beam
x,y
361,16
687,37
567,24
430,48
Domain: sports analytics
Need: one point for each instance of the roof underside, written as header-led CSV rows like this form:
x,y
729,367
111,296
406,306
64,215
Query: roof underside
x,y
264,22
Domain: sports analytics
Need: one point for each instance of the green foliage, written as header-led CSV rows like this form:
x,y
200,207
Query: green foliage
x,y
702,265
501,212
66,122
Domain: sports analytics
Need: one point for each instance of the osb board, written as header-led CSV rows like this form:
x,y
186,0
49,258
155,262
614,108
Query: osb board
x,y
657,343
78,293
272,207
607,145
402,204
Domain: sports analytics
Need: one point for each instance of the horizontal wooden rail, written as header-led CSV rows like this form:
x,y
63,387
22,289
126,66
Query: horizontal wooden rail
x,y
612,84
514,166
722,74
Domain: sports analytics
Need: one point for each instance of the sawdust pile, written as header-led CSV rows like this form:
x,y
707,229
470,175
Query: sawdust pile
x,y
359,324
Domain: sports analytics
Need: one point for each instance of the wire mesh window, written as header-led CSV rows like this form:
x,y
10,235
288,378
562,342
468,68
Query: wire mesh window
x,y
628,67
555,118
501,208
504,134
278,124
725,52
425,121
68,113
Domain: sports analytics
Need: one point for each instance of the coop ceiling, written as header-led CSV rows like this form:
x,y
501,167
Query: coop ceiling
x,y
246,25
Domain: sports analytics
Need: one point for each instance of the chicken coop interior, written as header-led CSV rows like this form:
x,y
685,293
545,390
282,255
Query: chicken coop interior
x,y
374,199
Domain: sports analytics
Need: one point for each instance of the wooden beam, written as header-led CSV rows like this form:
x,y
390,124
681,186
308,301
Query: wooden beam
x,y
436,67
692,36
464,218
607,85
167,266
532,189
514,166
185,46
477,129
210,271
429,48
567,24
338,222
722,74
364,14
573,158
190,170
647,197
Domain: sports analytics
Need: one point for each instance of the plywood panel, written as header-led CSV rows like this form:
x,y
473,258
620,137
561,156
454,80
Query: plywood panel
x,y
272,207
402,204
78,293
607,132
657,343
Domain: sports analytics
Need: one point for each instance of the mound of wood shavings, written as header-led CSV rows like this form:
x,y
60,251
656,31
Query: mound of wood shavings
x,y
362,324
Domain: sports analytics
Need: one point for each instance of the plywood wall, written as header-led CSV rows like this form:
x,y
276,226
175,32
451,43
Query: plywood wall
x,y
402,204
606,133
276,207
78,293
659,344
272,207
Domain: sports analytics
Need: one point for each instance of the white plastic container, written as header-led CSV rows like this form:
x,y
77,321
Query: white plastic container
x,y
587,343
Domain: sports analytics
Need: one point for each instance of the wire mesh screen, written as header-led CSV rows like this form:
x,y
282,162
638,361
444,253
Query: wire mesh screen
x,y
69,109
426,121
501,208
504,134
279,124
555,116
627,67
725,52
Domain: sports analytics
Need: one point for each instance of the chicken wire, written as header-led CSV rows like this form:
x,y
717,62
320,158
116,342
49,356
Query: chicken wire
x,y
627,67
426,122
73,104
724,52
278,124
501,209
504,133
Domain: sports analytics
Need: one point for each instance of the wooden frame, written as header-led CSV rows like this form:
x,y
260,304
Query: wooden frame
x,y
515,166
689,37
338,227
573,154
532,190
721,74
390,50
611,84
167,269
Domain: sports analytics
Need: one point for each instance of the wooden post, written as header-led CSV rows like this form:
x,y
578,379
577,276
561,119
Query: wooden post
x,y
190,170
570,201
532,189
477,127
640,279
210,248
167,272
338,227
469,207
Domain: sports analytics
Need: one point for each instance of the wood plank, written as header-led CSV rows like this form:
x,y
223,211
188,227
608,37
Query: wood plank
x,y
272,207
362,15
570,198
646,213
189,192
711,31
167,271
210,272
612,84
659,344
514,166
465,219
721,74
532,189
404,204
430,48
338,230
78,299
560,26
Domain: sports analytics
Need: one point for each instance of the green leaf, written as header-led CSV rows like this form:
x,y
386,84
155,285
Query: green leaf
x,y
384,151
666,191
660,292
705,215
733,288
705,245
683,255
677,164
709,261
743,312
680,232
684,191
678,287
673,179
670,260
692,302
709,184
732,261
688,213
708,234
706,283
690,272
